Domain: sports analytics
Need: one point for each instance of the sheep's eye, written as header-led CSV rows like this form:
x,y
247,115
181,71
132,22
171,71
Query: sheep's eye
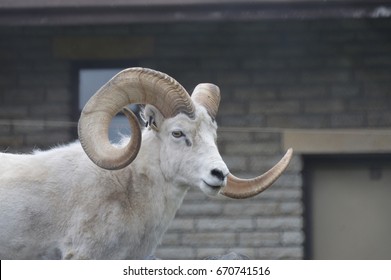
x,y
177,134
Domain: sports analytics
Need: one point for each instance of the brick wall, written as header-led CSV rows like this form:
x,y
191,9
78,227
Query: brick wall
x,y
272,74
34,89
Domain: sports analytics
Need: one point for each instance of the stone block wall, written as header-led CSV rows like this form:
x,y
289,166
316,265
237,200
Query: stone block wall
x,y
35,95
273,75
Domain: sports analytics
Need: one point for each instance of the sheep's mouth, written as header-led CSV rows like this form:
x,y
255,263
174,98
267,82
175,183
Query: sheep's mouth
x,y
215,187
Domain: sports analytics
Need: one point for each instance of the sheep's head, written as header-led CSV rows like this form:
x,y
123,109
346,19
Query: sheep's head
x,y
188,151
184,124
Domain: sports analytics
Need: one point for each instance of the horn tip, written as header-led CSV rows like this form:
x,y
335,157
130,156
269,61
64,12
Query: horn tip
x,y
287,158
289,153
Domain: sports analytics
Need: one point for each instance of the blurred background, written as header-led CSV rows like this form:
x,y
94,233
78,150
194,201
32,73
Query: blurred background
x,y
313,75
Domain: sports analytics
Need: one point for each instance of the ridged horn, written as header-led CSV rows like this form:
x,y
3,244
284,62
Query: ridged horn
x,y
130,86
207,95
245,188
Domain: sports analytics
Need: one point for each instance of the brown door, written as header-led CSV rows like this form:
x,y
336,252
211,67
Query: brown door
x,y
350,210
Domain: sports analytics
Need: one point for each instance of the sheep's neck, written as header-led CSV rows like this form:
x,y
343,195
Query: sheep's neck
x,y
164,197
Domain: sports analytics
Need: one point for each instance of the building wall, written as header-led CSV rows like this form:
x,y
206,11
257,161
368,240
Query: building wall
x,y
274,75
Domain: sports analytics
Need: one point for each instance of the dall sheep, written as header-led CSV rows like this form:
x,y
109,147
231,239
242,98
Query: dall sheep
x,y
94,200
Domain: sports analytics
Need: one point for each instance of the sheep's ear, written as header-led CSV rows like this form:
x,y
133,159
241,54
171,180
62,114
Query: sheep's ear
x,y
153,118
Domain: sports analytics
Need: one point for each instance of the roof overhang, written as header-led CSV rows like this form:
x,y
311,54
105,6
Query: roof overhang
x,y
91,12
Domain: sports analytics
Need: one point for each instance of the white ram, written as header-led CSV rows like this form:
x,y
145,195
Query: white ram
x,y
99,201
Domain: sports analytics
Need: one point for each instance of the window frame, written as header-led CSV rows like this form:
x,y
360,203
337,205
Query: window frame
x,y
93,65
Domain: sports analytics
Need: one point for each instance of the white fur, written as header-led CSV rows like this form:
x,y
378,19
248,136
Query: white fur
x,y
58,204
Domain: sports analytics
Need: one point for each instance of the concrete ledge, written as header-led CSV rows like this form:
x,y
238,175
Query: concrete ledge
x,y
345,141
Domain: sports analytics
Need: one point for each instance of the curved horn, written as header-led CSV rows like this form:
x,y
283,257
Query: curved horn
x,y
207,95
245,188
130,86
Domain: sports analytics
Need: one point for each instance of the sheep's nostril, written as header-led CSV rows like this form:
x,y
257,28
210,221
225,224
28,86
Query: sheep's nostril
x,y
218,173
